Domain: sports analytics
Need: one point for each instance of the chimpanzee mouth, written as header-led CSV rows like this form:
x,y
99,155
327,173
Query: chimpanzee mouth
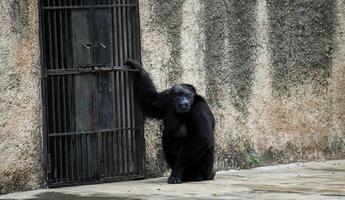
x,y
183,110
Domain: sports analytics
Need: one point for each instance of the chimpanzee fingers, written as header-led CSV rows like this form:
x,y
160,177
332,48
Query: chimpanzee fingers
x,y
133,64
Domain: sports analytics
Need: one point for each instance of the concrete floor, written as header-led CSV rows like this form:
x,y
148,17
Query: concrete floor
x,y
315,180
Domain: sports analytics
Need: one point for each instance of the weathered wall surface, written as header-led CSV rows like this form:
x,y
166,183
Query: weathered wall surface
x,y
273,72
20,113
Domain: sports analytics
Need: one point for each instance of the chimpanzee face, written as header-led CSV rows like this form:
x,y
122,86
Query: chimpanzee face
x,y
183,97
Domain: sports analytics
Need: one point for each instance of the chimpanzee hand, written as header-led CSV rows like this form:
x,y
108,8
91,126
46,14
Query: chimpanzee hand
x,y
134,64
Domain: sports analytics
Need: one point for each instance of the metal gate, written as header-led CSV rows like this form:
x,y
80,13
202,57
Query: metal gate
x,y
93,126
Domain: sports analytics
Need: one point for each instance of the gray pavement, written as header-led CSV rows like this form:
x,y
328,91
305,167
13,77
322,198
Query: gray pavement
x,y
314,180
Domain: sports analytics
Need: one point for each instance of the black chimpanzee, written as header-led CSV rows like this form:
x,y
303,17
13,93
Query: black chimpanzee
x,y
188,136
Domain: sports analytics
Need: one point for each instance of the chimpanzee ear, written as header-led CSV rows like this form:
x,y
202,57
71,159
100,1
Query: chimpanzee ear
x,y
191,87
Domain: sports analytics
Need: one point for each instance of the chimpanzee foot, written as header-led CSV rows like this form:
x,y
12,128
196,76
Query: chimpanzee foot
x,y
174,180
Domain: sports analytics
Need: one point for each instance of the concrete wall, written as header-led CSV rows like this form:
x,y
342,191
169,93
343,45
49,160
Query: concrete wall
x,y
273,72
20,101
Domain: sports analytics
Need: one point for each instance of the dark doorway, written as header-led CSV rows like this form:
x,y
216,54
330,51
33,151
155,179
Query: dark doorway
x,y
93,125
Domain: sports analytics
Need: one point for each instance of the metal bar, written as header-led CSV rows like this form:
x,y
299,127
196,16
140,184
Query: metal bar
x,y
127,122
128,17
132,123
84,157
61,46
116,37
67,49
59,127
124,22
121,123
137,136
83,70
125,95
54,126
87,6
137,32
91,132
71,128
124,133
62,121
118,118
58,99
128,110
120,31
56,58
111,154
88,147
95,181
80,157
65,125
50,46
124,156
72,157
105,153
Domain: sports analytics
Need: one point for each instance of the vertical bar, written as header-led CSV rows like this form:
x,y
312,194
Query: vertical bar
x,y
71,154
111,153
127,111
115,58
128,137
132,123
79,156
130,54
136,32
116,36
58,94
61,45
50,43
120,35
54,127
119,146
57,66
56,58
88,147
123,105
67,49
71,128
83,156
115,118
124,29
65,124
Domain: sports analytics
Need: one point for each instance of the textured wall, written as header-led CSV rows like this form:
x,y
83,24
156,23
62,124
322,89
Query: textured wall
x,y
20,113
273,72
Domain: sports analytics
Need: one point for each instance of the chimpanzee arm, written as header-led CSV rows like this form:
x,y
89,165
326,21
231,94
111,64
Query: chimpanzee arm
x,y
153,103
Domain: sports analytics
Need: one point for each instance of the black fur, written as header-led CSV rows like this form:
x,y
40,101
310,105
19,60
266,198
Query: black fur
x,y
188,138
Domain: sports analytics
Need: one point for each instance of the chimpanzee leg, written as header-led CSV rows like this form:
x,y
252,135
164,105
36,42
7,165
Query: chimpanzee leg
x,y
188,156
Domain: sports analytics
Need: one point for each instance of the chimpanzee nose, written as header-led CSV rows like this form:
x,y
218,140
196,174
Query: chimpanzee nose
x,y
184,103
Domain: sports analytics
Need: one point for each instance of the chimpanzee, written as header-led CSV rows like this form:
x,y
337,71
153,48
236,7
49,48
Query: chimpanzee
x,y
188,135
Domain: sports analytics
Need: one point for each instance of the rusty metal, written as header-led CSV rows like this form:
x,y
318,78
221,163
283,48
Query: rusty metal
x,y
93,125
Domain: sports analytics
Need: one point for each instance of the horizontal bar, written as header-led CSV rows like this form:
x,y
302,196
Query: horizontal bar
x,y
91,132
80,70
97,180
88,6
